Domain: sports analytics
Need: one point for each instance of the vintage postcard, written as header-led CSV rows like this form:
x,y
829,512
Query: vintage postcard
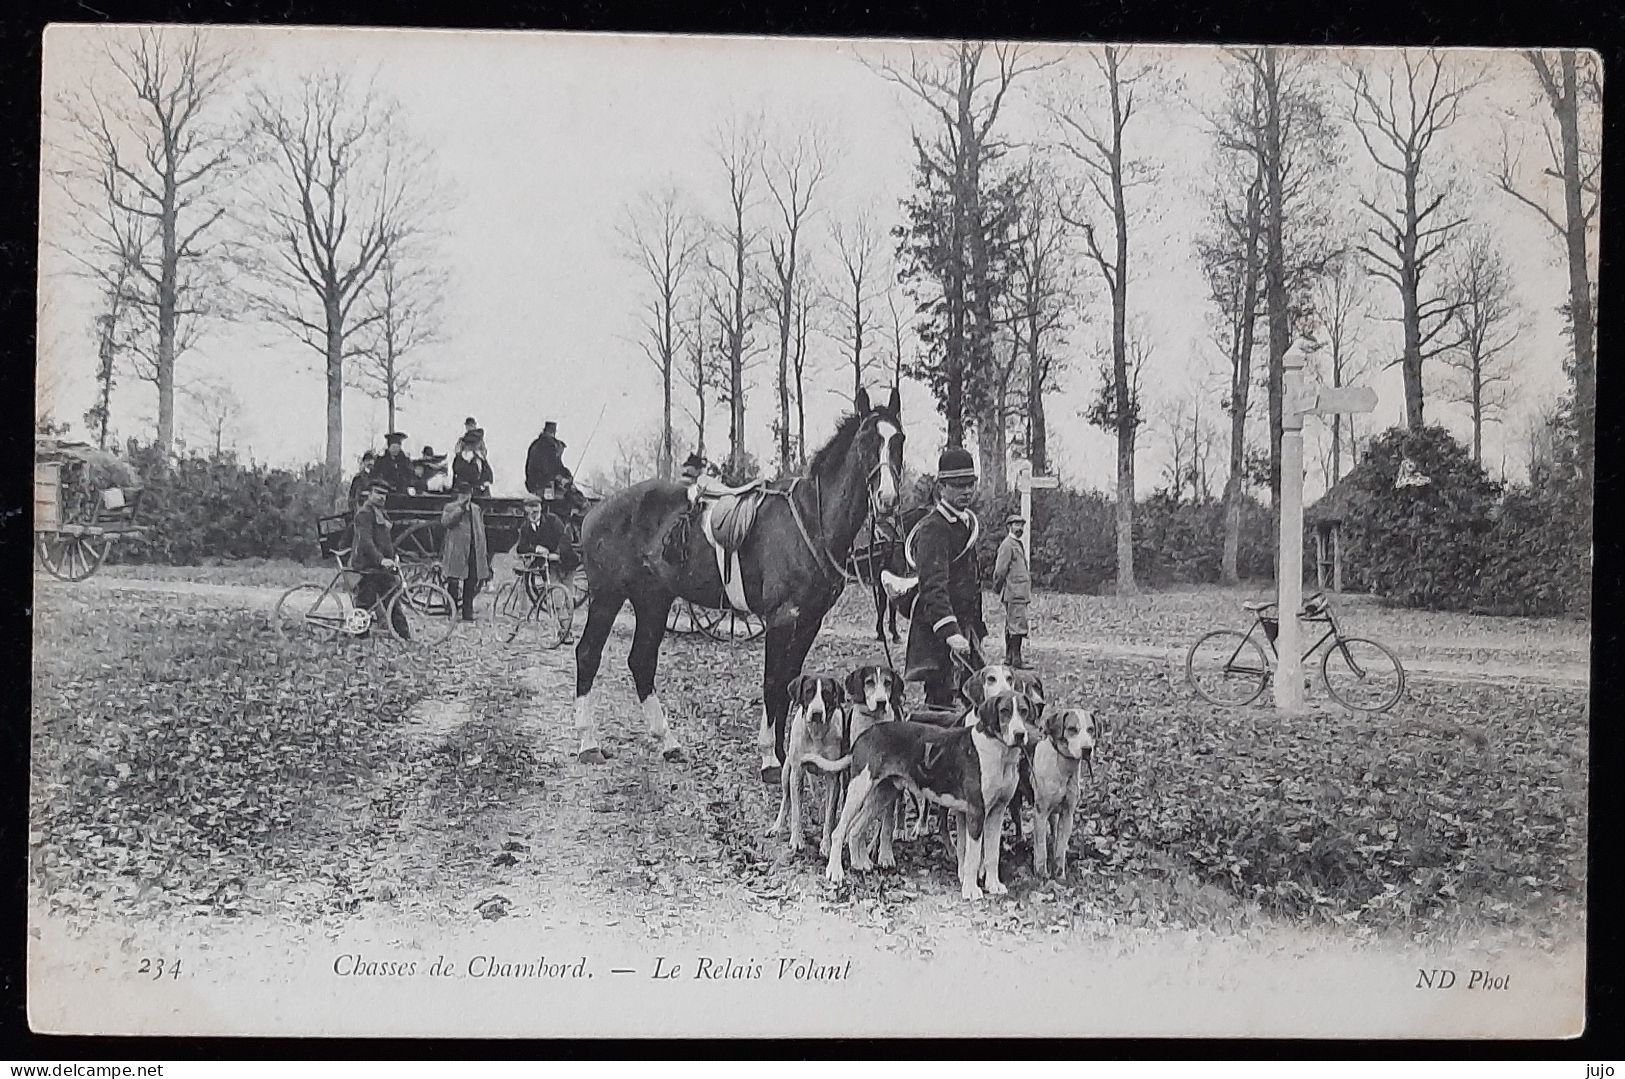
x,y
604,535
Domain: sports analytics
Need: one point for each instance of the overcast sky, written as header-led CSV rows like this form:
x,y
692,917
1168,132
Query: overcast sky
x,y
544,140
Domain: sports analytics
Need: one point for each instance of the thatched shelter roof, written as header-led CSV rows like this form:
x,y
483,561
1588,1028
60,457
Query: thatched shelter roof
x,y
1335,505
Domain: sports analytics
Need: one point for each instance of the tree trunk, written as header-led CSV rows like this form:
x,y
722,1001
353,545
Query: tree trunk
x,y
1585,363
1126,416
1274,270
167,316
335,390
1037,429
1241,383
1125,511
1411,308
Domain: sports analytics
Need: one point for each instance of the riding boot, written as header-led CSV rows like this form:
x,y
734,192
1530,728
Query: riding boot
x,y
1014,643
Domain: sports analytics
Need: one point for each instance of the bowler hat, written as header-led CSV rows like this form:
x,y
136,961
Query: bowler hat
x,y
956,463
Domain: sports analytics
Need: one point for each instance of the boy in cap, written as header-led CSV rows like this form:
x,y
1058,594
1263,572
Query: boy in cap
x,y
1014,582
358,486
947,617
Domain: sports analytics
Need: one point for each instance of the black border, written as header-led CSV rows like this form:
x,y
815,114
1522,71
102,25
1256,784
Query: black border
x,y
1578,23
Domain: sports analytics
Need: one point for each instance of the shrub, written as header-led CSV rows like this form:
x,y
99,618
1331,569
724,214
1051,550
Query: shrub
x,y
207,507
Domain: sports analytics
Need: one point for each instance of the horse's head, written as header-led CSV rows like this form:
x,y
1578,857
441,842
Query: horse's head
x,y
882,436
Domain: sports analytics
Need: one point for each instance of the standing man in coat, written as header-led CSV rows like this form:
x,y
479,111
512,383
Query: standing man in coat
x,y
1014,581
464,560
946,621
373,556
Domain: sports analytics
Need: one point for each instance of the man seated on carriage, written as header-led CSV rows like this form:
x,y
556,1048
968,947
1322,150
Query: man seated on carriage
x,y
373,555
395,467
542,534
946,622
544,461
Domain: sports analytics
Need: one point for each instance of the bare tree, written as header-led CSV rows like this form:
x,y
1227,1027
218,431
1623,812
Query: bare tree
x,y
663,239
804,317
738,148
1398,124
1191,438
1488,321
399,317
1043,289
148,161
1340,302
109,323
216,407
793,169
1109,174
341,185
704,369
859,249
1572,84
1232,256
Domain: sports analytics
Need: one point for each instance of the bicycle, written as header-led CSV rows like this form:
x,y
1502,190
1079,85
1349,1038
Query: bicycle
x,y
1230,668
533,597
424,608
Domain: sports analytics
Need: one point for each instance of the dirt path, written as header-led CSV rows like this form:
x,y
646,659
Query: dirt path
x,y
1559,672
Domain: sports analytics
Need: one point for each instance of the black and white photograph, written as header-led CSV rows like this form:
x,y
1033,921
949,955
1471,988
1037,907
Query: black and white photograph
x,y
547,534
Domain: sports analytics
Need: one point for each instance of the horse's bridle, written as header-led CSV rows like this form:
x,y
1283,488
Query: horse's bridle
x,y
820,551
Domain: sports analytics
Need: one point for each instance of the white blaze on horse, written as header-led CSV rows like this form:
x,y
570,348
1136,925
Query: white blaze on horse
x,y
783,553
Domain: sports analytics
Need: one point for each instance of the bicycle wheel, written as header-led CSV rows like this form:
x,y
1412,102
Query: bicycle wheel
x,y
424,611
310,608
1227,668
1362,675
556,615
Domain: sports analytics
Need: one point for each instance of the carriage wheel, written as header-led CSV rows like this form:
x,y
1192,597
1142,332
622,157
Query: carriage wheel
x,y
418,543
731,625
685,618
71,558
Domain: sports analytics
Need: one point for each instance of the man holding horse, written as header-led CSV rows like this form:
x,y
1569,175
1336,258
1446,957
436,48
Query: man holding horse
x,y
946,623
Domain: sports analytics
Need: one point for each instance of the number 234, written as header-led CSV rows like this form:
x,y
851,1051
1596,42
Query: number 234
x,y
159,967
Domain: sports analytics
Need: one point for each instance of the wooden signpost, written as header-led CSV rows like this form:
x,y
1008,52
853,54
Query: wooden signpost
x,y
1023,480
1299,400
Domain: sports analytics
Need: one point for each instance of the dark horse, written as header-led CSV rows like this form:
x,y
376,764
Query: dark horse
x,y
790,566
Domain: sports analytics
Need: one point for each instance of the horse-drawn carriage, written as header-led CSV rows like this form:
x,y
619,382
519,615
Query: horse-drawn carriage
x,y
84,500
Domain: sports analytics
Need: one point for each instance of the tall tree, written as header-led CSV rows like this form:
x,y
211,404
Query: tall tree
x,y
704,370
803,313
400,317
663,240
1399,113
217,408
148,167
793,171
1572,85
945,251
858,249
1109,174
109,323
341,185
732,259
1487,318
1039,305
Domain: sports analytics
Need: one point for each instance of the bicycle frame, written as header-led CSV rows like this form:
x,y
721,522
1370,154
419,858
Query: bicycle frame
x,y
1327,619
343,584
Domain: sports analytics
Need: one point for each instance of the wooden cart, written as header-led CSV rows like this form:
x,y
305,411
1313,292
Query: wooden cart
x,y
76,521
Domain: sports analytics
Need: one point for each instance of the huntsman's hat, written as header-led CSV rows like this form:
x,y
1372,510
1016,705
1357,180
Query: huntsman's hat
x,y
956,463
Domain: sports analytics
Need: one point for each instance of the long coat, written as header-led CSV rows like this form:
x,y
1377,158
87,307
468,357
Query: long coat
x,y
397,471
1014,580
370,539
464,554
475,473
944,552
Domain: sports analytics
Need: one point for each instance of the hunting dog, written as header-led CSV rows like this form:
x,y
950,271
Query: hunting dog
x,y
874,694
817,730
1050,780
971,770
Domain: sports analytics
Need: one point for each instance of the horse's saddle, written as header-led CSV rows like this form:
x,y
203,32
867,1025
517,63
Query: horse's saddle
x,y
726,516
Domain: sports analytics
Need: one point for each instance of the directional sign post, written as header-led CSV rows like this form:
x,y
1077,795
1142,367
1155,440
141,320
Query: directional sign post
x,y
1023,480
1299,400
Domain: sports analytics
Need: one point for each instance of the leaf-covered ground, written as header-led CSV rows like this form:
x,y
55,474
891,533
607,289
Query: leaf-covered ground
x,y
187,763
